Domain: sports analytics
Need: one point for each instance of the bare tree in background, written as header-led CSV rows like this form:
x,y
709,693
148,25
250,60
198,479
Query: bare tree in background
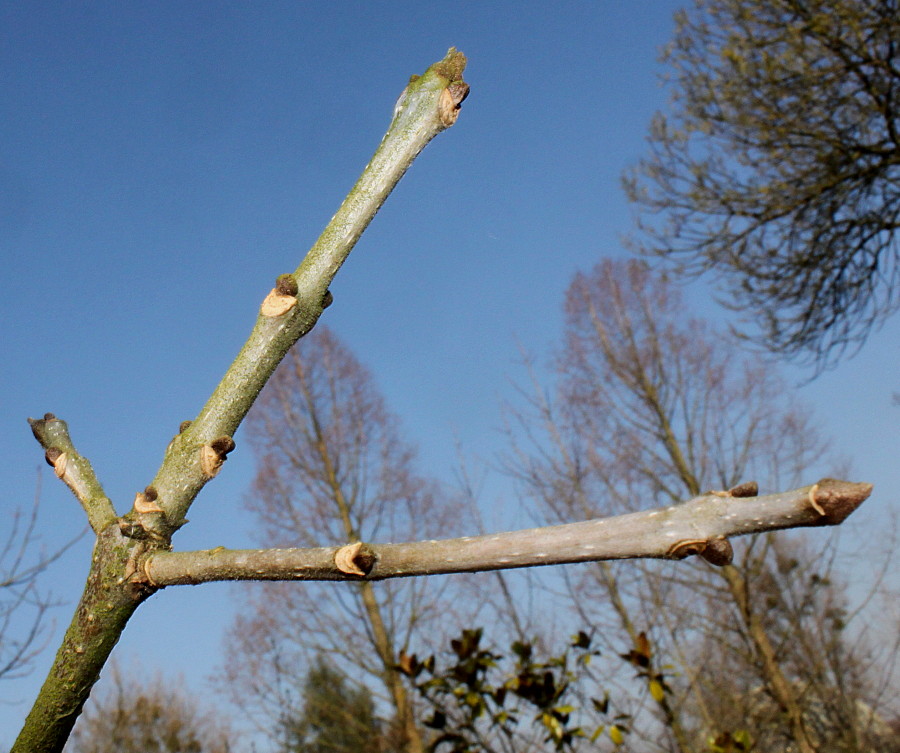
x,y
843,679
23,607
778,166
135,713
332,468
652,404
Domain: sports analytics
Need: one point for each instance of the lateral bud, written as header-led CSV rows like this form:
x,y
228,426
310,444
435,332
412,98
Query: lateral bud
x,y
132,529
282,298
451,100
354,559
58,459
145,501
212,455
747,489
182,428
718,551
286,285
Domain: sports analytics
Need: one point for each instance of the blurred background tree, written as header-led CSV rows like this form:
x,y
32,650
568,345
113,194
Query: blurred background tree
x,y
131,712
332,468
651,403
335,717
777,166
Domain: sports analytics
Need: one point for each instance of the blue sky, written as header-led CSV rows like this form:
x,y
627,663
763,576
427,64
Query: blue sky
x,y
161,163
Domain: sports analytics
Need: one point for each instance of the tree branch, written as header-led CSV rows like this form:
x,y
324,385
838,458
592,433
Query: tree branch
x,y
74,469
699,526
429,104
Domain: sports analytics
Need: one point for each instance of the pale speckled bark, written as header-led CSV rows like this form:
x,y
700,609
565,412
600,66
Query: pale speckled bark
x,y
669,532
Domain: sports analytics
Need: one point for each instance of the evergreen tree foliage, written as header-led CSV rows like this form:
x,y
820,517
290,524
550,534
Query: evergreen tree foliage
x,y
336,718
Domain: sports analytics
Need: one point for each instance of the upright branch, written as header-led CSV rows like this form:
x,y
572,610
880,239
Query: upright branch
x,y
74,469
115,586
428,105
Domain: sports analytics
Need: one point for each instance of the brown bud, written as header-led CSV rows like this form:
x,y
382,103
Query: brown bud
x,y
747,489
151,493
132,529
223,445
459,90
58,459
182,428
718,551
212,455
286,285
327,299
49,417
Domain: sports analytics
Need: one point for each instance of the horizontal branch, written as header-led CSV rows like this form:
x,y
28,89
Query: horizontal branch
x,y
699,526
73,468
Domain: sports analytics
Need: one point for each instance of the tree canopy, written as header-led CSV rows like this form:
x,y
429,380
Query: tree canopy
x,y
778,167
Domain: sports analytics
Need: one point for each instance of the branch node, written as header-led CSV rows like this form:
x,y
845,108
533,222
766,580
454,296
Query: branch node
x,y
145,501
212,455
58,459
355,559
451,101
280,300
685,548
812,500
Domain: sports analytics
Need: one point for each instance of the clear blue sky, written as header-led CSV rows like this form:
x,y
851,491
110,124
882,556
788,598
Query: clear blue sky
x,y
161,163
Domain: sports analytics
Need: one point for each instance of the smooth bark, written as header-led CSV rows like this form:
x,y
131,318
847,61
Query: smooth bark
x,y
699,526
